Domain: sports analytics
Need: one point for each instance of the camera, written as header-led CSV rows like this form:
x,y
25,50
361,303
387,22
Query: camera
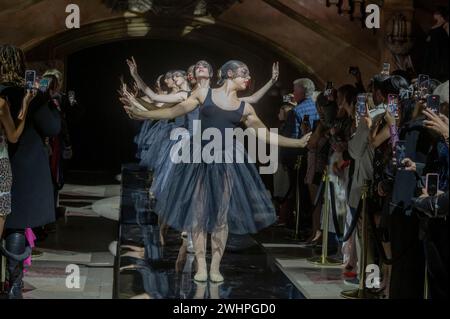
x,y
353,70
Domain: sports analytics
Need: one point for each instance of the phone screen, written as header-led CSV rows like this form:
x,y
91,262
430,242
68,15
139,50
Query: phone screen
x,y
393,104
44,84
432,184
329,89
433,103
386,69
30,78
400,152
361,104
423,85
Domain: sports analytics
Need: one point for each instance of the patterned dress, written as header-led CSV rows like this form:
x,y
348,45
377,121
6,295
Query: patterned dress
x,y
5,177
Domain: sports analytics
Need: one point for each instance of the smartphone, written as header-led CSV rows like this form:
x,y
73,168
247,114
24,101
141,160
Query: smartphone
x,y
361,105
44,83
432,184
30,78
286,98
423,85
400,152
393,104
386,69
433,103
353,70
329,89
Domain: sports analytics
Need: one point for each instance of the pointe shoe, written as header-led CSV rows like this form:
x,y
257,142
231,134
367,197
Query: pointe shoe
x,y
216,277
201,276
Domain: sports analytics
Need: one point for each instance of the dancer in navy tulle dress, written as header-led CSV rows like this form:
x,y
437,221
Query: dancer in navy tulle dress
x,y
199,76
217,197
153,134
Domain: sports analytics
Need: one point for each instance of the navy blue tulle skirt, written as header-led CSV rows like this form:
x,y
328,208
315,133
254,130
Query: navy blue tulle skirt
x,y
205,197
153,142
140,139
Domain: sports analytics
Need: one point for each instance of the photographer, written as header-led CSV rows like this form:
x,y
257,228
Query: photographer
x,y
281,177
60,146
318,150
299,122
32,191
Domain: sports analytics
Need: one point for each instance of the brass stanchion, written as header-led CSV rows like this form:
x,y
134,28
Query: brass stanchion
x,y
324,259
297,167
362,292
426,291
2,272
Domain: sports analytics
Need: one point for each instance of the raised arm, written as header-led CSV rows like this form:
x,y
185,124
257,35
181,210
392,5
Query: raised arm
x,y
259,94
169,98
166,113
12,132
251,120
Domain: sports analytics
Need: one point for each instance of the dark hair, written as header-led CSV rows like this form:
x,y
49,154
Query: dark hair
x,y
12,65
233,66
433,85
349,92
442,11
207,65
390,85
322,100
404,74
329,109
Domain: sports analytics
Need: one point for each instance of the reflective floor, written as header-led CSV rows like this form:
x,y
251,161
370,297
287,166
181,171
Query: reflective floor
x,y
249,272
104,218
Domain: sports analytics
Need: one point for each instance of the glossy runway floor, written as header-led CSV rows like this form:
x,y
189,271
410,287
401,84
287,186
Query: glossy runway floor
x,y
249,273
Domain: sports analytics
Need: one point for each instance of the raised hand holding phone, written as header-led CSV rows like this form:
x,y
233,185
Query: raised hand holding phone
x,y
432,184
386,69
393,105
30,79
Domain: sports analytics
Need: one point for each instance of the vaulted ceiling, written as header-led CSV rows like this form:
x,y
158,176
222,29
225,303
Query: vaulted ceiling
x,y
311,35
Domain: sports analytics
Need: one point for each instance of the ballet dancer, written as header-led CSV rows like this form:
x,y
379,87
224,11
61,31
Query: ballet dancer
x,y
217,197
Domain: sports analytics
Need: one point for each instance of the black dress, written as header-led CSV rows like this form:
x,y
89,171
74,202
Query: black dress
x,y
32,189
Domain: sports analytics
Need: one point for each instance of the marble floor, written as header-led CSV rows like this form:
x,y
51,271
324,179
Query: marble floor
x,y
82,238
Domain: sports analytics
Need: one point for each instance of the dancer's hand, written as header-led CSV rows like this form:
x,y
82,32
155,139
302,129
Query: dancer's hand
x,y
304,140
135,91
275,71
133,67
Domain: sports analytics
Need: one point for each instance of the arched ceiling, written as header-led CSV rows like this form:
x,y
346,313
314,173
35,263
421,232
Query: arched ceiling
x,y
313,37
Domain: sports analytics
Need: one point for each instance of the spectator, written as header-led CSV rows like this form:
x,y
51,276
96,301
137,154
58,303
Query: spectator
x,y
32,191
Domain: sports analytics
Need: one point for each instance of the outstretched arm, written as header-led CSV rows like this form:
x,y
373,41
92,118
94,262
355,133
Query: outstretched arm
x,y
169,98
251,120
259,95
12,132
166,113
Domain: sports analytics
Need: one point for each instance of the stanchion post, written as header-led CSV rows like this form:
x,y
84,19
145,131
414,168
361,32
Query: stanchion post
x,y
362,292
324,259
2,271
297,167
